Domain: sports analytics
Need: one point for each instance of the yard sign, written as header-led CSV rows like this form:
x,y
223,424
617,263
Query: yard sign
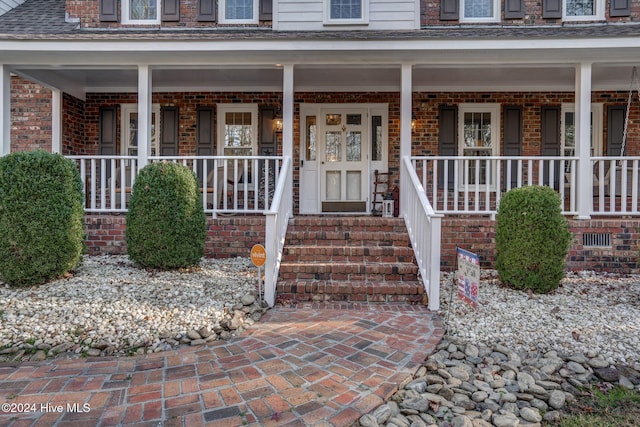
x,y
468,276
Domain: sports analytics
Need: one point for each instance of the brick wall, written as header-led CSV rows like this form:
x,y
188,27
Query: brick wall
x,y
478,235
74,135
88,12
30,116
430,15
227,237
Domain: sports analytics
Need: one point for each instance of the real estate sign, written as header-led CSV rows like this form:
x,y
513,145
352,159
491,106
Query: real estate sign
x,y
468,276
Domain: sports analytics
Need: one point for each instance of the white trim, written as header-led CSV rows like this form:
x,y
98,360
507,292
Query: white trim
x,y
125,111
597,119
494,18
363,20
598,16
124,4
5,109
222,109
223,20
56,121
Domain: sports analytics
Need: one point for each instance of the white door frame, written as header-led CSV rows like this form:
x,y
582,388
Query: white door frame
x,y
310,168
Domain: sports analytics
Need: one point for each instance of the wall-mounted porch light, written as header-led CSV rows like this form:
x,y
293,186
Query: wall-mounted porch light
x,y
414,120
277,120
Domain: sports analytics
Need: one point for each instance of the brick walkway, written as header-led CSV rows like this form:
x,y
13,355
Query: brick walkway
x,y
321,366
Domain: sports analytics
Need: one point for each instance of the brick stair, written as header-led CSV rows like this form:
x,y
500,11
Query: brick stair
x,y
343,258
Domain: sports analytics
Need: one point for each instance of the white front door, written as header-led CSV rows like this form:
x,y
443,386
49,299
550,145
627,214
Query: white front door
x,y
343,147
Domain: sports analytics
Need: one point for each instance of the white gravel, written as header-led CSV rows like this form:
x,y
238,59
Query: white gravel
x,y
588,313
111,301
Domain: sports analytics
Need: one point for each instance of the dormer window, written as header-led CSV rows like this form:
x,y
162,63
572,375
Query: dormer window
x,y
583,10
480,10
238,11
140,11
346,12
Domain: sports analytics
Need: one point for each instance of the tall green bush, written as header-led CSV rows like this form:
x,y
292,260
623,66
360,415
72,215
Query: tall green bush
x,y
41,217
166,224
532,239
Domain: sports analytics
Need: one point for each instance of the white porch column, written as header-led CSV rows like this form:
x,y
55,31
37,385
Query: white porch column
x,y
583,140
5,110
287,119
406,92
56,121
144,115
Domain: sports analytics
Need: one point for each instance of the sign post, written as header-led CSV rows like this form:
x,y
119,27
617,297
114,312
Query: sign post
x,y
259,257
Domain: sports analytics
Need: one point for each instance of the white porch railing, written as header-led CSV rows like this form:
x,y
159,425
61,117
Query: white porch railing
x,y
228,184
423,225
616,185
474,185
276,228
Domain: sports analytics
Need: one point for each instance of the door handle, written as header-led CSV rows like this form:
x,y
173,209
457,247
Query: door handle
x,y
301,163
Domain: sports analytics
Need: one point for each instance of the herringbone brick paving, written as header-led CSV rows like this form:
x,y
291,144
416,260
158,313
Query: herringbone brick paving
x,y
313,365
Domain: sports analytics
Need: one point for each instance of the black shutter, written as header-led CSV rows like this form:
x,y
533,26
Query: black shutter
x,y
169,134
616,116
551,141
449,10
619,8
207,10
266,10
108,131
170,10
204,138
513,9
552,8
512,139
447,141
109,10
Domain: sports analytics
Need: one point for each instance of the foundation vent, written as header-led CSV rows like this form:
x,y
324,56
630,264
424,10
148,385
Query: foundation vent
x,y
599,240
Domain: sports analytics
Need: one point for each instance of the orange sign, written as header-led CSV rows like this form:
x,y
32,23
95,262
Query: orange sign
x,y
258,255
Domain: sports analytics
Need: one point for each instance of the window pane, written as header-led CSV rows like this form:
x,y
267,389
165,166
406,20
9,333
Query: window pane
x,y
346,9
580,7
477,130
238,9
478,9
354,146
237,132
376,144
311,138
143,9
333,149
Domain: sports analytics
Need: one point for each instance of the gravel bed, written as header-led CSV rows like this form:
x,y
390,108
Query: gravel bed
x,y
111,306
589,312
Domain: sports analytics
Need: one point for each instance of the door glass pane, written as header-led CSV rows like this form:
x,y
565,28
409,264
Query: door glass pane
x,y
311,138
237,133
354,119
333,148
569,133
354,146
376,142
133,135
143,9
477,130
332,185
354,185
333,119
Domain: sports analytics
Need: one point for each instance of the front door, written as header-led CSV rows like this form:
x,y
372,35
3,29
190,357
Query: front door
x,y
344,164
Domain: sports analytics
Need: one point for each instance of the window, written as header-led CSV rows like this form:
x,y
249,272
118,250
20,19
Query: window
x,y
140,11
567,134
346,12
238,134
238,11
480,11
583,10
478,130
129,129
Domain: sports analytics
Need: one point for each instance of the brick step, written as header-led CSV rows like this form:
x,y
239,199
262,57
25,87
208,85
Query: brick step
x,y
345,271
354,291
347,238
364,223
312,253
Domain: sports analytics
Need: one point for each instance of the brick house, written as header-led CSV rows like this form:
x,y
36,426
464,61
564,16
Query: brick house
x,y
288,109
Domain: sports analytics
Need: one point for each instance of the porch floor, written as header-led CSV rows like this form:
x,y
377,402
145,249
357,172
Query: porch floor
x,y
313,364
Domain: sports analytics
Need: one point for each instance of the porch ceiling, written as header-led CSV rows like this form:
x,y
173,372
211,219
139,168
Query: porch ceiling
x,y
79,80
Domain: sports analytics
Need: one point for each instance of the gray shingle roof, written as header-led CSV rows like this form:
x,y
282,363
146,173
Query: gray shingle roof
x,y
45,19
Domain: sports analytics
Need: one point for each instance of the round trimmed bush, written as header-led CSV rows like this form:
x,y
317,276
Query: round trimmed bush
x,y
532,239
166,224
41,217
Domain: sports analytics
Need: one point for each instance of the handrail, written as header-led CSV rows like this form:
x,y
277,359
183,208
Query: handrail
x,y
277,220
424,228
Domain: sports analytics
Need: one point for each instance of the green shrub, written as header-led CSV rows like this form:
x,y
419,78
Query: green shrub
x,y
166,224
532,239
41,217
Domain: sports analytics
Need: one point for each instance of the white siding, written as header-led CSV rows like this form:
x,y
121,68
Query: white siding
x,y
307,15
7,5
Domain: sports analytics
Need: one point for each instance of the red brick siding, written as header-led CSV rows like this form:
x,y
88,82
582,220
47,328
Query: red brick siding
x,y
430,14
226,237
30,116
478,235
88,12
74,136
